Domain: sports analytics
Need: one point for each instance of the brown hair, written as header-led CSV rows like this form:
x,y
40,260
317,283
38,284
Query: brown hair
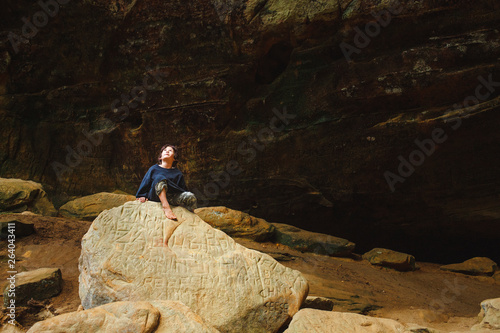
x,y
176,153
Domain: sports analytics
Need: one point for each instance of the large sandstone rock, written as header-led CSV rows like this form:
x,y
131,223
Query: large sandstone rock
x,y
474,266
17,195
308,241
233,288
38,284
89,207
119,317
490,315
236,223
318,321
392,259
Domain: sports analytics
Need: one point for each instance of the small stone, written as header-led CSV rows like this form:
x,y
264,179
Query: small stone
x,y
475,266
318,303
38,284
307,241
392,259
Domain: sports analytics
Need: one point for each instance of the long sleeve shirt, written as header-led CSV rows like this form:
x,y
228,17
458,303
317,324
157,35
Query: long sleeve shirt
x,y
155,174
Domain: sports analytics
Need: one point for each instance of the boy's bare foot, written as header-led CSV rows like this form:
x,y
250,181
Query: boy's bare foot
x,y
169,214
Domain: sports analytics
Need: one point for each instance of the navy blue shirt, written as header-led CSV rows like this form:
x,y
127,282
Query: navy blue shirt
x,y
155,174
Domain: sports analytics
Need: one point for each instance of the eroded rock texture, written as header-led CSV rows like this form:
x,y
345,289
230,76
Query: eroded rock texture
x,y
212,72
144,317
133,253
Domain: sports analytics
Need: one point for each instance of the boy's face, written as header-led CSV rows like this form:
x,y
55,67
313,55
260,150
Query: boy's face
x,y
168,153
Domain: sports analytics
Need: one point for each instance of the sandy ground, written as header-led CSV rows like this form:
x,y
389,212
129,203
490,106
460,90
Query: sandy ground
x,y
428,297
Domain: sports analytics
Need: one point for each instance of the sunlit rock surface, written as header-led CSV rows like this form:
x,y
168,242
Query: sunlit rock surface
x,y
144,317
489,315
236,223
125,258
90,206
312,320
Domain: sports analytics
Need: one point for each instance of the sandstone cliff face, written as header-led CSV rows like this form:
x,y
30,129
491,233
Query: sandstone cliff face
x,y
260,95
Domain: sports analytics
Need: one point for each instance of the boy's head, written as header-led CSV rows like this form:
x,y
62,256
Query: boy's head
x,y
176,153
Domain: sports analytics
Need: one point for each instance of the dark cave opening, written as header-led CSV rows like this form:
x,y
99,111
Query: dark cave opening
x,y
441,239
273,63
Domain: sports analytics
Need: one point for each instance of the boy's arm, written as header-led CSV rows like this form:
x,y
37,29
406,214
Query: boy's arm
x,y
145,185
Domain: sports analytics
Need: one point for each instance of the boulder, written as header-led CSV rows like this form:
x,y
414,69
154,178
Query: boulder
x,y
158,317
11,225
236,223
311,320
17,195
392,259
89,207
8,328
318,303
133,253
307,241
38,284
489,315
475,266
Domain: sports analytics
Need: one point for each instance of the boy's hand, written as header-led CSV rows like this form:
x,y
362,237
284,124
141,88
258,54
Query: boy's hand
x,y
142,199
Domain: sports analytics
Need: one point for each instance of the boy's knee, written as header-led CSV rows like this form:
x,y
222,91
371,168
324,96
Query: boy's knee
x,y
191,197
160,187
190,200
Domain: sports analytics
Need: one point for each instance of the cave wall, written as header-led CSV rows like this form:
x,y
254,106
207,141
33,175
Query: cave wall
x,y
271,116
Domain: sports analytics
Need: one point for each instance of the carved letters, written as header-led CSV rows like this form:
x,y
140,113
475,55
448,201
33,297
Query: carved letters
x,y
200,266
